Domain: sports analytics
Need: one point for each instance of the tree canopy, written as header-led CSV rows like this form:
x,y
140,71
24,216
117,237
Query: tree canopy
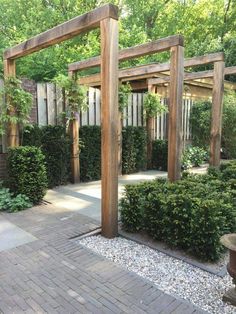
x,y
207,25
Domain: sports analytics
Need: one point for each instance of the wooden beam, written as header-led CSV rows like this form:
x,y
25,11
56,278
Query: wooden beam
x,y
64,31
216,115
206,59
109,122
230,70
146,71
175,113
159,45
192,76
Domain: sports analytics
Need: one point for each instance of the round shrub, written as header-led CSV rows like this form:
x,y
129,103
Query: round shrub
x,y
27,172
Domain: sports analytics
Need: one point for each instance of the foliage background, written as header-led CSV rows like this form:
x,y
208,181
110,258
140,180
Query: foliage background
x,y
208,26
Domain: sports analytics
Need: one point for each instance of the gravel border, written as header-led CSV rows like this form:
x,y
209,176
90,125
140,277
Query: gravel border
x,y
171,275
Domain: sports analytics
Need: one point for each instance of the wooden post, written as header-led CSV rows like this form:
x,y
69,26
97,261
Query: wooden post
x,y
75,164
120,126
74,137
216,116
109,123
12,128
150,122
175,113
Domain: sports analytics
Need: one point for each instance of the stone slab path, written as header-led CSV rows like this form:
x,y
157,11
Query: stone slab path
x,y
53,274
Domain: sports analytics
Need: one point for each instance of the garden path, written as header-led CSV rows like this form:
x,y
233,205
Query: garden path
x,y
86,197
51,273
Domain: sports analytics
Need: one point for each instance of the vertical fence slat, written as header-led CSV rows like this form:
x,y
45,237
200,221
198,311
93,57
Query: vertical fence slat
x,y
42,104
91,115
51,103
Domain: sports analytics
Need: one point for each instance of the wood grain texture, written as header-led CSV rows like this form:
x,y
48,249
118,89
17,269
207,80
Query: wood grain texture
x,y
64,31
159,45
216,116
175,113
75,164
109,126
13,138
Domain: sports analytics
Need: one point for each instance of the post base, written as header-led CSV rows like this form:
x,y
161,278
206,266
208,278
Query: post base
x,y
230,296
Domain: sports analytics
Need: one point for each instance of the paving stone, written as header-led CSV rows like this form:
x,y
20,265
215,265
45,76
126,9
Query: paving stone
x,y
54,275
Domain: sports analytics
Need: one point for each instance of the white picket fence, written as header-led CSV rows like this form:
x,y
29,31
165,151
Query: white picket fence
x,y
50,104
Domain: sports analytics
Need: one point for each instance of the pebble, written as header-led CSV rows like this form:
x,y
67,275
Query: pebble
x,y
171,275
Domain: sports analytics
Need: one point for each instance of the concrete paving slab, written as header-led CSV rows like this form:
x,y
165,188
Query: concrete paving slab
x,y
12,236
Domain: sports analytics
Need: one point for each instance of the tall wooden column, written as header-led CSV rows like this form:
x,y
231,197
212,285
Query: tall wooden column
x,y
120,126
12,128
74,137
109,123
216,116
150,121
175,113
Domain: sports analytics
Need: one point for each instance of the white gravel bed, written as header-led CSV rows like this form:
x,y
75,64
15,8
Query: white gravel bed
x,y
169,274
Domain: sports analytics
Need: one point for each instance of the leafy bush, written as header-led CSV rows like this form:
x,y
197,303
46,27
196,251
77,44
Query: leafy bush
x,y
13,204
90,153
193,156
190,214
55,145
200,121
160,154
134,156
229,126
56,148
27,172
153,106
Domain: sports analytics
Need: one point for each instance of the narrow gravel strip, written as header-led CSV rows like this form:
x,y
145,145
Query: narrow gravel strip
x,y
169,274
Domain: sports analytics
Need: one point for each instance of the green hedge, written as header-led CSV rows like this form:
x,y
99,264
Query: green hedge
x,y
134,154
160,154
27,172
190,214
55,145
90,153
133,151
200,121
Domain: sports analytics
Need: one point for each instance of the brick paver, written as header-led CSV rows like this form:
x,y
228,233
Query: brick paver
x,y
55,275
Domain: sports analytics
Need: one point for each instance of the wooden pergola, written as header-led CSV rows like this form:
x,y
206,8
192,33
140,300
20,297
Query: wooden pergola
x,y
149,72
105,18
175,45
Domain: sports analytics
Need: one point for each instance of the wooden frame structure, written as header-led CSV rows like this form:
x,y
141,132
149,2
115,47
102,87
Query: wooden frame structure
x,y
175,45
148,72
217,100
104,18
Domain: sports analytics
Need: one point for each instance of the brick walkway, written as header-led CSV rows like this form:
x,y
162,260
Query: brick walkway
x,y
55,275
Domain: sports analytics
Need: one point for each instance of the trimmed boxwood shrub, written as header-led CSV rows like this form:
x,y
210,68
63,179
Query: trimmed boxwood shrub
x,y
27,172
55,145
160,154
134,154
190,214
90,153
